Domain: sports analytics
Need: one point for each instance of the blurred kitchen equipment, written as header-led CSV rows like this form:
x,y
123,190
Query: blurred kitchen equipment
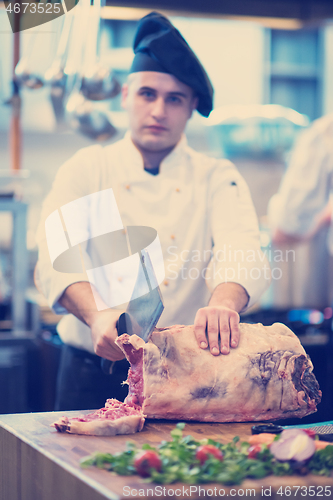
x,y
254,130
55,76
24,74
12,183
98,82
83,115
77,34
86,119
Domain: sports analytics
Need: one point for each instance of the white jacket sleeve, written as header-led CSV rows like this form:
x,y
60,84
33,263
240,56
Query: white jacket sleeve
x,y
77,178
237,256
306,185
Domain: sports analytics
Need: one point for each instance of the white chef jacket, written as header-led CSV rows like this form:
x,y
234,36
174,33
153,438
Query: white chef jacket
x,y
307,184
201,208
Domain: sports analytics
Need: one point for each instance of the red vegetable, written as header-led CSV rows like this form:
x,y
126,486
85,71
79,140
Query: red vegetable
x,y
294,444
310,432
253,451
147,460
205,450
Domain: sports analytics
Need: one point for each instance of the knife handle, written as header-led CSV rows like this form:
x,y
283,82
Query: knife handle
x,y
122,324
107,364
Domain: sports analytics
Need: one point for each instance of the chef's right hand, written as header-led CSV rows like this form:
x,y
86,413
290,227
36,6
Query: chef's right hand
x,y
104,333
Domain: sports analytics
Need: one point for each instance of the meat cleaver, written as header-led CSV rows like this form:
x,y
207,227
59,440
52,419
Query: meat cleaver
x,y
143,310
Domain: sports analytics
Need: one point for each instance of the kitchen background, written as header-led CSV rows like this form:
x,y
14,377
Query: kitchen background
x,y
252,64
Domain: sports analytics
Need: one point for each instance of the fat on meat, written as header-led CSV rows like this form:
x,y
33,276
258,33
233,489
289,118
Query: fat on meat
x,y
115,418
267,377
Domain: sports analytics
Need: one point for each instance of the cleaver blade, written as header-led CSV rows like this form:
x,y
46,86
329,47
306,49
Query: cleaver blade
x,y
144,309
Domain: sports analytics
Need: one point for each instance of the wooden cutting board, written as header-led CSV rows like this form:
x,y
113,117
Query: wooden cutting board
x,y
38,463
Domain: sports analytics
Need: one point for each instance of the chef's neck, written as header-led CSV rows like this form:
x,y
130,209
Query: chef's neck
x,y
153,159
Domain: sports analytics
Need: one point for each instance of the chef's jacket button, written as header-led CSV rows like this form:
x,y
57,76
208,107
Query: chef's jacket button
x,y
177,190
165,282
172,236
128,187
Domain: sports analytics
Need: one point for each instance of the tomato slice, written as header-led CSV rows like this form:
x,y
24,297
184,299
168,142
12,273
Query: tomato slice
x,y
253,451
147,460
206,450
310,432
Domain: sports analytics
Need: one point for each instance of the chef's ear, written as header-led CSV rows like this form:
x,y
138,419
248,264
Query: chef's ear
x,y
124,95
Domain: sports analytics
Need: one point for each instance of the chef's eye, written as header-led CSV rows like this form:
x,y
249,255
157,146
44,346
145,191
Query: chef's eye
x,y
174,99
147,94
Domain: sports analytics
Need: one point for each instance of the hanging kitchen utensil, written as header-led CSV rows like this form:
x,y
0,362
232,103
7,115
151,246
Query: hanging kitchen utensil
x,y
83,115
24,74
76,45
98,82
88,120
55,76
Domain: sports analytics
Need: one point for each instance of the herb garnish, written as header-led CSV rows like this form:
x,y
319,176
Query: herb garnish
x,y
179,463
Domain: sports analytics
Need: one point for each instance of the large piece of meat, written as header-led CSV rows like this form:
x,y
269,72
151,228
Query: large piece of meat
x,y
268,376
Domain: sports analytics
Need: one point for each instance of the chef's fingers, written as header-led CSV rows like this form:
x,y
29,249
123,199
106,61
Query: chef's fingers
x,y
213,330
106,348
111,354
200,322
234,329
117,354
224,332
104,333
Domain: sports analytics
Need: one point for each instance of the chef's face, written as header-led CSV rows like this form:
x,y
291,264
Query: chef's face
x,y
158,106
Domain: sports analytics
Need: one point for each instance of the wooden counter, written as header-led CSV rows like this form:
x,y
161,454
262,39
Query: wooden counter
x,y
38,463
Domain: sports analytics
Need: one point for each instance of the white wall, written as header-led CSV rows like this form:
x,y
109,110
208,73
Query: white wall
x,y
233,55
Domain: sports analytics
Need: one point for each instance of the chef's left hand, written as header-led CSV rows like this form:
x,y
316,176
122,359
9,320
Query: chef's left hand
x,y
220,323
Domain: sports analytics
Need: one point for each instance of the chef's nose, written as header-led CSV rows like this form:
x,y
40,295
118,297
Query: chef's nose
x,y
159,108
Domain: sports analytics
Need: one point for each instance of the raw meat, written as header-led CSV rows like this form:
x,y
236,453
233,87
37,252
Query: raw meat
x,y
267,377
114,418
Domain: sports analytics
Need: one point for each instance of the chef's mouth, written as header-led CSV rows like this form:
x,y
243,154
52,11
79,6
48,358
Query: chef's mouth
x,y
156,128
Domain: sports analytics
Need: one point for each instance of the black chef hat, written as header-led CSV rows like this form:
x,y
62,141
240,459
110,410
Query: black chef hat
x,y
158,46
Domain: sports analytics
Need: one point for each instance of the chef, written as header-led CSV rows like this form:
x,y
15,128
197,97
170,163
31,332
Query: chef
x,y
200,207
301,206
